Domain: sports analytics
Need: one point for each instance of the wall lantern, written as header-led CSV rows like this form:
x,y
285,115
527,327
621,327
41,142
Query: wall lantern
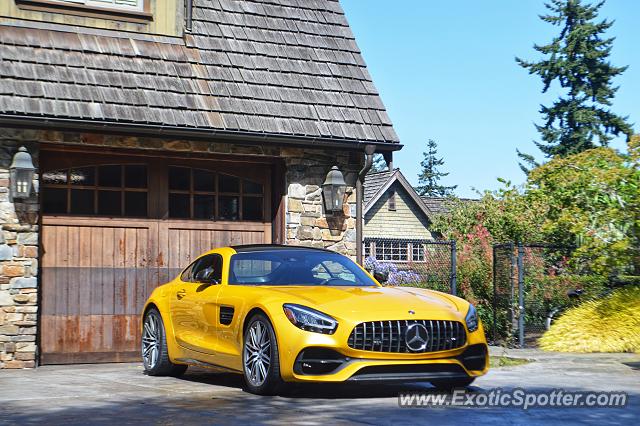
x,y
333,190
21,174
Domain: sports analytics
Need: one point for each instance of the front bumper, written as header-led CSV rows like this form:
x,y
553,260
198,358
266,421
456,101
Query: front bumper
x,y
322,362
313,357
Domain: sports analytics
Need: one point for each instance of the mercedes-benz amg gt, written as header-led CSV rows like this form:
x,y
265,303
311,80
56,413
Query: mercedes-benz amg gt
x,y
280,314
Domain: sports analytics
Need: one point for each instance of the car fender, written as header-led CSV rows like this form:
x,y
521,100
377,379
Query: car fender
x,y
159,298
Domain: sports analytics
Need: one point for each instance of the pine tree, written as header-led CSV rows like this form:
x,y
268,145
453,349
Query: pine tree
x,y
578,60
379,164
429,179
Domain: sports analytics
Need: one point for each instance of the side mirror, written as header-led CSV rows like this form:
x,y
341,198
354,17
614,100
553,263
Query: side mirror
x,y
380,276
205,276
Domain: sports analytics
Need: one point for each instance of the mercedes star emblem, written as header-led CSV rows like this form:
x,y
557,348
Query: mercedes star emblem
x,y
412,312
416,337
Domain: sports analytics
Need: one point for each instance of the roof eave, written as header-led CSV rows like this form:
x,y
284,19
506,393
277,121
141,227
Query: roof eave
x,y
234,136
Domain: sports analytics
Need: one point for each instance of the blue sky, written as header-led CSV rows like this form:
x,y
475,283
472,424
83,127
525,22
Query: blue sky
x,y
446,71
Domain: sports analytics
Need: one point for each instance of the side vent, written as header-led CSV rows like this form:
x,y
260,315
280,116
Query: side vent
x,y
226,315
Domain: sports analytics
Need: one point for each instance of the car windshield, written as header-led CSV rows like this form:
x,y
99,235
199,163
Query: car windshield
x,y
296,267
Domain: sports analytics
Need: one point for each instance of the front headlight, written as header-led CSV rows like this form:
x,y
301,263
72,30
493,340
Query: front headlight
x,y
472,318
309,319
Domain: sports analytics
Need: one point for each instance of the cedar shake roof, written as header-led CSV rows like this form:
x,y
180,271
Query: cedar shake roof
x,y
437,204
377,183
442,205
373,182
272,67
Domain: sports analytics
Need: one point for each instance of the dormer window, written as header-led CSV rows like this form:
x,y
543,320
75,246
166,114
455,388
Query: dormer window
x,y
138,11
110,4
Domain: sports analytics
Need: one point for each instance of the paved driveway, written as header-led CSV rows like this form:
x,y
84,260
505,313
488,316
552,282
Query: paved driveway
x,y
121,394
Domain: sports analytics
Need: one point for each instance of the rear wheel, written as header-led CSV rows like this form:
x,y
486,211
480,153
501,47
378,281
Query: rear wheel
x,y
155,356
448,384
260,357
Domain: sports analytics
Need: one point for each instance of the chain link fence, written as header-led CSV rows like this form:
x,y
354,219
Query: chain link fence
x,y
504,308
419,263
532,283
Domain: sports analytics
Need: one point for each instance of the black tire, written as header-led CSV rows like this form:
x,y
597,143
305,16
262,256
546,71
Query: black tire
x,y
272,383
449,384
160,364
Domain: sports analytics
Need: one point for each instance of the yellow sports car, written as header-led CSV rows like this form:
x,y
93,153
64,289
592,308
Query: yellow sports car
x,y
281,314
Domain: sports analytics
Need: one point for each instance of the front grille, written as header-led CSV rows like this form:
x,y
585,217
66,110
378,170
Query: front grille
x,y
389,336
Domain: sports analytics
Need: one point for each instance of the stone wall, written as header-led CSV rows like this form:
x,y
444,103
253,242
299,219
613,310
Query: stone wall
x,y
18,269
307,224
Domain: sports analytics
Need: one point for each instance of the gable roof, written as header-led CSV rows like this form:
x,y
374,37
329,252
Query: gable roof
x,y
373,182
282,68
376,184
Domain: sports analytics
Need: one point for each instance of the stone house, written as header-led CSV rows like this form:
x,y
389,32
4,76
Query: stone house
x,y
160,129
396,219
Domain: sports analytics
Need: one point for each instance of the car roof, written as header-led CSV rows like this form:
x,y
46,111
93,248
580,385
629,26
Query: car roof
x,y
274,247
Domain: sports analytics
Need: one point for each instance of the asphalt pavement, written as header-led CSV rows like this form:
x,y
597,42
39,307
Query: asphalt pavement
x,y
120,394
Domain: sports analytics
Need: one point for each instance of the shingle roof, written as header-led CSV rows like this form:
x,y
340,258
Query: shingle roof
x,y
436,204
282,67
441,205
377,183
373,182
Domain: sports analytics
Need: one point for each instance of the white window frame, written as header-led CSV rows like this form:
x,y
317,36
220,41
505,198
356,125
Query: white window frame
x,y
396,251
107,4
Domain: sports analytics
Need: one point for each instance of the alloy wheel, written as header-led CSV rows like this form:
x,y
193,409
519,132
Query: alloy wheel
x,y
150,341
257,353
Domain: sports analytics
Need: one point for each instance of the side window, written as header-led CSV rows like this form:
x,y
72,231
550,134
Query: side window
x,y
186,274
210,266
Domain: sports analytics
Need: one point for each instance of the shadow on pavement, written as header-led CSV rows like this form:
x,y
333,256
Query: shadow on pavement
x,y
314,390
327,404
309,409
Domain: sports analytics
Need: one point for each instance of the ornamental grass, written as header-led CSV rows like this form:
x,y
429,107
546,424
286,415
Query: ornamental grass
x,y
609,324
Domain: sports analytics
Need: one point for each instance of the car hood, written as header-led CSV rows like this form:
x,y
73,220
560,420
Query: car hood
x,y
361,302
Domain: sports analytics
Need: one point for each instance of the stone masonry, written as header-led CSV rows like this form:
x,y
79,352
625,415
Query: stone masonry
x,y
306,221
18,269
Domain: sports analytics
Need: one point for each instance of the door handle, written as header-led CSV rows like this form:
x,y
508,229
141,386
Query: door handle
x,y
181,293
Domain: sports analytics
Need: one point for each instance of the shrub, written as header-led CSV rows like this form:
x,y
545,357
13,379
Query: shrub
x,y
610,324
544,293
396,275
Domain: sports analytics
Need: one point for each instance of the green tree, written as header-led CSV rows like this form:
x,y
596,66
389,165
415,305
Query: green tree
x,y
593,200
429,179
379,164
590,200
578,61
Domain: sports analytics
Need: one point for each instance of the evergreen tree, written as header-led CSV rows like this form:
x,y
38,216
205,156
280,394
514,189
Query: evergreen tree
x,y
379,164
577,60
429,179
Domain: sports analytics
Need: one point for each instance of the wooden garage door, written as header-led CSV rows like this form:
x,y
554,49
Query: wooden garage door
x,y
98,271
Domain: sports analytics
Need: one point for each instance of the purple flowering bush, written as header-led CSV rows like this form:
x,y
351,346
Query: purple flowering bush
x,y
396,276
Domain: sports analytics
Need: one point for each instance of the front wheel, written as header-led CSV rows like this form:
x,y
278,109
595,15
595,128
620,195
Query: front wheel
x,y
155,356
260,358
448,384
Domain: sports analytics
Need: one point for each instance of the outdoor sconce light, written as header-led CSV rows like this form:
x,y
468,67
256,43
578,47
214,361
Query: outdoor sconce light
x,y
333,190
21,174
